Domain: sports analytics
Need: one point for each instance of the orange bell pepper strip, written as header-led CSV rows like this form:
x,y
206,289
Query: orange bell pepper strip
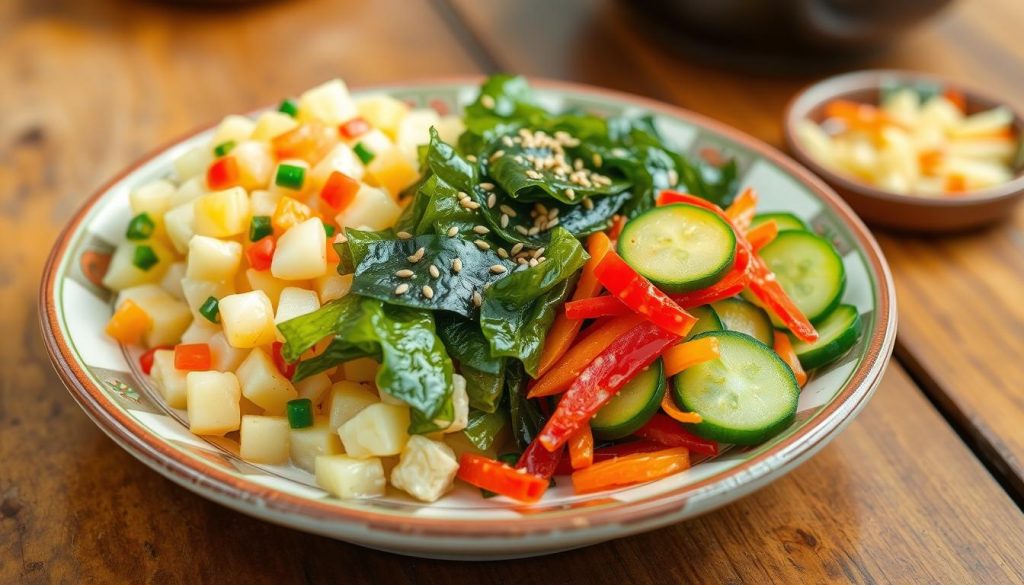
x,y
640,295
564,330
743,208
559,378
762,235
784,347
495,476
668,406
630,469
128,323
581,448
690,353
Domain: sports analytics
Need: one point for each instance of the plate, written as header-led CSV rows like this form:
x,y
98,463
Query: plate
x,y
103,377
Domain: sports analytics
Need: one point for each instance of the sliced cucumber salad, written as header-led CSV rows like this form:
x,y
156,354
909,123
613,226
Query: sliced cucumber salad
x,y
678,247
838,332
707,320
633,406
809,269
746,396
739,315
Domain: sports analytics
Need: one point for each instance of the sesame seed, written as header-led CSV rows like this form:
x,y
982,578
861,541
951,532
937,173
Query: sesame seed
x,y
491,200
533,262
453,231
404,235
417,256
534,231
471,157
597,160
552,223
520,260
434,271
538,252
497,154
507,210
487,186
673,177
482,230
401,289
498,269
477,299
503,252
553,213
404,273
534,174
506,141
462,195
482,244
522,229
570,193
487,102
457,265
588,203
517,248
428,292
541,259
504,220
468,204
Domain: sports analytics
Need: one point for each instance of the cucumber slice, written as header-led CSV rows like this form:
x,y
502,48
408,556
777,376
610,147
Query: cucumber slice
x,y
739,315
809,270
707,320
785,221
678,247
837,333
633,406
745,396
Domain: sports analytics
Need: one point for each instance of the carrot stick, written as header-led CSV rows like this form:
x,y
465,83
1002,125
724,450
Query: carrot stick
x,y
564,330
784,347
690,353
581,448
668,404
742,210
629,469
762,235
561,376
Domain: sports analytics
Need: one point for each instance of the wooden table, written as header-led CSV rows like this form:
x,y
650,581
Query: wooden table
x,y
925,486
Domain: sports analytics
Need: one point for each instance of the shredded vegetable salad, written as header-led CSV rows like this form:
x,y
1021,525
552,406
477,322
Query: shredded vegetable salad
x,y
384,296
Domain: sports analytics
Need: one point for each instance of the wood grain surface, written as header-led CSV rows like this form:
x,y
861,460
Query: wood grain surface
x,y
88,86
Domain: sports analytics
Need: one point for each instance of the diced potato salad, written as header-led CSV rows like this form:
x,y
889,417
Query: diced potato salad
x,y
914,145
391,299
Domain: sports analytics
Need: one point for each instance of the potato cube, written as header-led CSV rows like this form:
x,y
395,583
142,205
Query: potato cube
x,y
233,128
213,399
375,141
295,302
392,171
460,402
384,112
371,208
263,203
332,285
349,478
426,470
301,252
171,281
200,331
224,357
180,225
222,214
271,124
264,439
169,381
169,317
329,102
450,128
213,259
314,387
248,319
308,443
377,430
414,130
361,370
263,383
341,158
263,280
198,291
347,399
152,198
122,272
194,162
187,192
255,163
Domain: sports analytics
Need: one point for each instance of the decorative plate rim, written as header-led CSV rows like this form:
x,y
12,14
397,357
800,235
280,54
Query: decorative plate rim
x,y
226,488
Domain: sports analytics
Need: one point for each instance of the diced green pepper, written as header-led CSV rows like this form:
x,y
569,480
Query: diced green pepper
x,y
289,107
260,227
365,154
329,229
224,148
145,258
140,227
210,309
300,413
290,176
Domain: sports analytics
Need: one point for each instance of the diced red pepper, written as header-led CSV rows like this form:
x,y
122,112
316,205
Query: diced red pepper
x,y
495,476
661,429
602,379
287,369
539,461
637,293
222,174
146,359
339,190
354,128
192,357
592,308
261,254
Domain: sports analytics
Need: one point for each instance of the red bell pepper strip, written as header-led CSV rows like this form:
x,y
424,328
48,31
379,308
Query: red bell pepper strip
x,y
539,461
666,432
637,293
287,369
743,208
592,308
602,379
495,476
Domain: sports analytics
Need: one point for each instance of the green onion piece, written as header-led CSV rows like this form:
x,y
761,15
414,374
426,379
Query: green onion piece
x,y
509,459
224,148
300,413
210,309
144,258
289,107
259,227
140,227
329,229
365,154
290,176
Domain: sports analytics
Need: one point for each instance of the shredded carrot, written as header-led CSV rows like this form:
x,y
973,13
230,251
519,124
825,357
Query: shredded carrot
x,y
629,469
857,115
690,353
956,98
561,376
743,208
784,347
668,404
955,184
564,330
929,161
581,448
763,234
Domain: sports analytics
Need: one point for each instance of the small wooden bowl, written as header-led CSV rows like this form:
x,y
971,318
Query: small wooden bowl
x,y
883,208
